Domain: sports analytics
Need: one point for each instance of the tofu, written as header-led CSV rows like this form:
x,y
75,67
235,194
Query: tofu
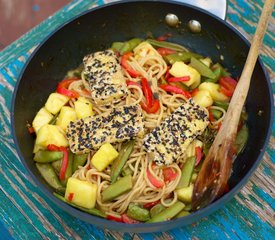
x,y
117,125
166,143
103,72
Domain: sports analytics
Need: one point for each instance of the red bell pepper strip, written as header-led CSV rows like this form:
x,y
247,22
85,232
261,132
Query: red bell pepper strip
x,y
194,92
227,85
128,220
179,79
147,91
31,130
211,118
165,51
70,197
114,218
62,88
153,109
198,151
52,147
164,37
151,204
132,83
154,181
169,174
64,164
167,74
125,65
174,89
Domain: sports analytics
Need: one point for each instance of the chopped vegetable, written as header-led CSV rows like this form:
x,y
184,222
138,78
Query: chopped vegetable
x,y
156,209
138,213
79,160
228,86
186,173
128,220
132,83
241,139
83,108
179,79
47,172
202,98
164,37
153,109
164,44
104,156
66,115
66,166
147,91
220,104
214,90
202,68
185,194
216,113
165,51
115,218
151,204
154,181
118,188
92,211
169,174
44,156
127,67
183,213
84,193
119,162
181,57
176,90
198,156
167,213
62,88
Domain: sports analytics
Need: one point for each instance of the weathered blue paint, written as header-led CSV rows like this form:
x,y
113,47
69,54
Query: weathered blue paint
x,y
20,197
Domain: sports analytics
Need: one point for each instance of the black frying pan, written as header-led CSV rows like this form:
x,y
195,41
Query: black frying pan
x,y
96,30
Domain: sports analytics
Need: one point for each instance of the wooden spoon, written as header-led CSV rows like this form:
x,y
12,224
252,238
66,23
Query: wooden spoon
x,y
212,179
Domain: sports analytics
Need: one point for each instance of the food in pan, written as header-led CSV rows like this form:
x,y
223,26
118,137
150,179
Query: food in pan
x,y
125,134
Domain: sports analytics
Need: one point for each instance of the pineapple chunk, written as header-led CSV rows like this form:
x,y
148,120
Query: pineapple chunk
x,y
81,193
207,61
105,155
42,117
55,102
203,98
49,134
67,114
185,194
180,69
213,89
83,108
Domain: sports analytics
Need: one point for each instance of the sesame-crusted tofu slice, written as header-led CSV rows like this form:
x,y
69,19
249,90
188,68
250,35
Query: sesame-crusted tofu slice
x,y
167,142
117,125
104,75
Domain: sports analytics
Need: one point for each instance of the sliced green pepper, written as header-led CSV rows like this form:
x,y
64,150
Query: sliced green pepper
x,y
186,173
79,160
92,211
47,172
223,72
69,170
44,156
119,162
241,139
163,44
202,68
168,213
181,56
118,188
138,213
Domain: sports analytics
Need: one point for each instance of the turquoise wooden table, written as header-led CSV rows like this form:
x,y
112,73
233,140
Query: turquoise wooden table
x,y
26,213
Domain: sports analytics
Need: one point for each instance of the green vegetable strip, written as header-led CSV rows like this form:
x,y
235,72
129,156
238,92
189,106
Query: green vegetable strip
x,y
138,213
202,68
69,170
241,139
164,44
168,213
44,156
47,172
186,173
122,158
92,211
181,56
79,160
156,209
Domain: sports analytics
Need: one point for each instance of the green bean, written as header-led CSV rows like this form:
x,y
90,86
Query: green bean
x,y
168,213
118,188
186,173
47,172
44,156
202,68
119,162
156,209
79,160
92,211
138,213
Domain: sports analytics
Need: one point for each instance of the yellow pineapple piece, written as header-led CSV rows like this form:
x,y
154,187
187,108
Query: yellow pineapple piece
x,y
67,114
49,134
55,102
203,98
83,108
42,117
81,193
213,89
105,155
